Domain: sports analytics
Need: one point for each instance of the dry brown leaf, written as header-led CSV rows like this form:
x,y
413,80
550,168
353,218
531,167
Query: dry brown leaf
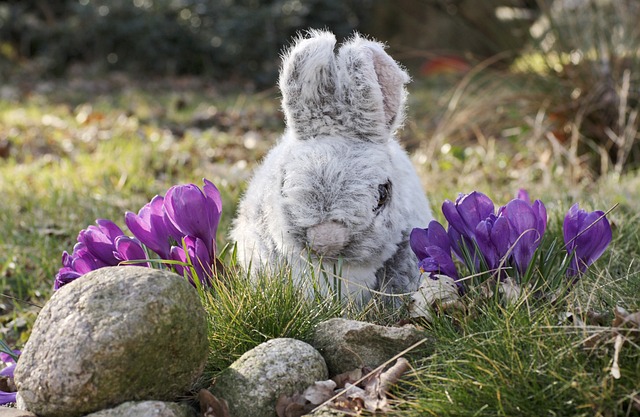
x,y
625,320
281,404
293,406
510,289
211,406
620,314
441,291
297,410
350,392
350,377
392,375
377,387
320,392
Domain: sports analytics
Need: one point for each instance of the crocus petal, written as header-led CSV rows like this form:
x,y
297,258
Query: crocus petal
x,y
162,232
8,371
109,229
418,242
571,226
172,230
444,261
474,208
599,236
100,245
523,232
140,226
200,259
453,217
129,249
149,227
500,236
587,235
65,276
8,359
455,238
437,236
197,256
86,263
540,212
177,254
429,264
433,236
66,259
523,195
180,203
485,245
7,397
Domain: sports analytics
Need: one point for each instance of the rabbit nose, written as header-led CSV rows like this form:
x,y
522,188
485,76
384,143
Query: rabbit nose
x,y
327,238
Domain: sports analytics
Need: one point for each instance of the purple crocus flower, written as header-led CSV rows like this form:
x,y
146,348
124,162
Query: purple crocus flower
x,y
527,224
100,241
197,255
10,363
7,372
464,216
586,236
539,209
7,397
152,227
194,212
493,239
97,247
433,249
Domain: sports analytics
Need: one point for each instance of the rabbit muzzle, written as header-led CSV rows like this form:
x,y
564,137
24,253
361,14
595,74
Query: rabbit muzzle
x,y
328,238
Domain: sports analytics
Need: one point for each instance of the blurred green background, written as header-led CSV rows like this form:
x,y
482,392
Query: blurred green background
x,y
241,38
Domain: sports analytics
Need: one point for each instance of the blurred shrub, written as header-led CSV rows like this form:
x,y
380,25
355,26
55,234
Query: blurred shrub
x,y
572,95
223,38
586,54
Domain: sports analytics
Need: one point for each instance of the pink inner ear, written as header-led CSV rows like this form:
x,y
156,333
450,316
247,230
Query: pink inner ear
x,y
391,79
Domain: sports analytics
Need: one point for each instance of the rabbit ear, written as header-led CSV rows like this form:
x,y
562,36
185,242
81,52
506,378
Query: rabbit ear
x,y
308,84
373,88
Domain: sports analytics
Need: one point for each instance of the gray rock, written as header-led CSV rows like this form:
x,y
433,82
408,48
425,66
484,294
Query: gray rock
x,y
114,335
253,383
147,409
348,344
14,412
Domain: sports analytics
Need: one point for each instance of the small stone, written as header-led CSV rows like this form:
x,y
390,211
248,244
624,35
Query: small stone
x,y
116,334
147,409
253,383
348,344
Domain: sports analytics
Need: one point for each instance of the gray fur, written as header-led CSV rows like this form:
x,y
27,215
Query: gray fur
x,y
342,110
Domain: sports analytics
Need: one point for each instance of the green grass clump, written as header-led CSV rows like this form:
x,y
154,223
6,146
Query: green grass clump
x,y
513,361
245,311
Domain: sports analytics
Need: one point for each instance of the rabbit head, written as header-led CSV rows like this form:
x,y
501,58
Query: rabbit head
x,y
338,186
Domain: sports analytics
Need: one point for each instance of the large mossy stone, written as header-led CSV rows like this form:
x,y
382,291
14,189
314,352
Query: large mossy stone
x,y
116,334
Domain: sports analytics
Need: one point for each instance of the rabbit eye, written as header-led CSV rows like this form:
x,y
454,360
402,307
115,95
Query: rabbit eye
x,y
384,190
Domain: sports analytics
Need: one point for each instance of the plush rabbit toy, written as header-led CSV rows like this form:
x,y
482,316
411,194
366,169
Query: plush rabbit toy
x,y
337,193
